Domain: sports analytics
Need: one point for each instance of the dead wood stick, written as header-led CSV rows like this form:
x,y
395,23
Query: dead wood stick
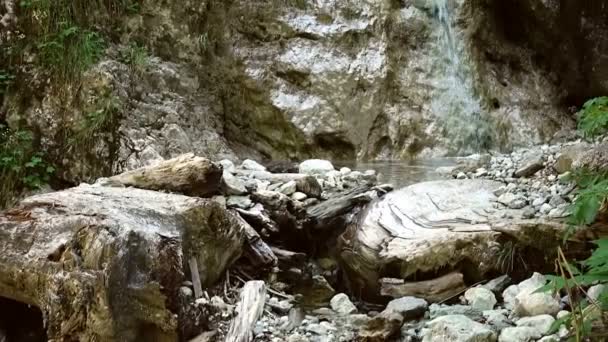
x,y
196,278
435,290
258,251
249,310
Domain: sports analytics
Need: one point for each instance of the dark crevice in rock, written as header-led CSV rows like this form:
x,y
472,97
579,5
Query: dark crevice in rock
x,y
20,322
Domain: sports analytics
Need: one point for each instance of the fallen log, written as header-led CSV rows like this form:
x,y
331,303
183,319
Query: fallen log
x,y
256,217
321,214
289,258
249,310
435,290
187,174
107,264
257,251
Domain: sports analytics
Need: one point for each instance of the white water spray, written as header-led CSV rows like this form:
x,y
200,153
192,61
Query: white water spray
x,y
456,101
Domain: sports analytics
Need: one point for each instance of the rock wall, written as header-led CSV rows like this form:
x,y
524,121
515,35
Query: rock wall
x,y
335,79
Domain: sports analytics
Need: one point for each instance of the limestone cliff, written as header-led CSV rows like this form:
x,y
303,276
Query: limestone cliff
x,y
286,79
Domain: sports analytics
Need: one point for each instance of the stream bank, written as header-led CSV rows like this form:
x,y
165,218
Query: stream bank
x,y
302,233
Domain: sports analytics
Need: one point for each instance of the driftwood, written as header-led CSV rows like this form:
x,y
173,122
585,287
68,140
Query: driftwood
x,y
324,212
196,278
258,252
257,218
289,258
249,310
435,290
186,174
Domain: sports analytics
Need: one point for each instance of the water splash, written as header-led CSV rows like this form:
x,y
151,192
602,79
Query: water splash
x,y
456,101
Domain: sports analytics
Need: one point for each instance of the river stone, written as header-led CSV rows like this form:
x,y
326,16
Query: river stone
x,y
542,323
309,186
316,167
232,185
519,334
457,328
525,301
408,307
252,165
288,188
422,228
341,304
480,298
382,327
227,165
438,310
530,166
497,285
241,202
595,291
126,246
497,319
299,196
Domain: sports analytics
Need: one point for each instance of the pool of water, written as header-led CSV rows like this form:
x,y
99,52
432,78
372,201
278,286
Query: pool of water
x,y
402,173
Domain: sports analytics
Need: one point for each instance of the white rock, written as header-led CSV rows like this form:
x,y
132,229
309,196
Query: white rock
x,y
341,304
480,298
594,292
546,208
232,185
344,171
316,166
519,334
527,302
252,165
227,165
299,196
461,175
408,307
542,323
242,202
457,328
288,188
550,338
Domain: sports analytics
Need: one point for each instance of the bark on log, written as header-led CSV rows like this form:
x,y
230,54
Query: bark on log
x,y
322,213
187,174
289,258
257,218
433,291
107,264
249,310
258,252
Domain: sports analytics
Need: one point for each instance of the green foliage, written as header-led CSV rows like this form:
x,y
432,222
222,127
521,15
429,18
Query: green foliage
x,y
592,193
593,117
21,166
100,119
70,51
135,56
6,78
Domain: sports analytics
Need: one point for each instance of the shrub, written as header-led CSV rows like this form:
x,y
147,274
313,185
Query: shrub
x,y
21,166
135,56
593,117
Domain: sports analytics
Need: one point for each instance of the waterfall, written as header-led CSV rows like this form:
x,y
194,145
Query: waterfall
x,y
455,101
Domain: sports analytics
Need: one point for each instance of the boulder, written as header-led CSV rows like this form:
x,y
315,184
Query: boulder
x,y
595,159
408,307
530,166
232,185
227,165
457,328
288,188
187,174
107,263
316,166
341,304
541,322
480,298
525,301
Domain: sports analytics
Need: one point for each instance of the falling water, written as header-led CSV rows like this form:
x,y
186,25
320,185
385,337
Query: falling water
x,y
456,101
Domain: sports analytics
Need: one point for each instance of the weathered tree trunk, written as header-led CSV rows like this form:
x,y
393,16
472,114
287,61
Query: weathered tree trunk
x,y
249,310
258,252
435,290
187,174
106,264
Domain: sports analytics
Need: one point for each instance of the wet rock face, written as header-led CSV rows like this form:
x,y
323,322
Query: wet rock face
x,y
332,79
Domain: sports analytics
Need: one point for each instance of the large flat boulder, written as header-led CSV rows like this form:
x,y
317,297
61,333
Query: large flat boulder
x,y
107,263
429,228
